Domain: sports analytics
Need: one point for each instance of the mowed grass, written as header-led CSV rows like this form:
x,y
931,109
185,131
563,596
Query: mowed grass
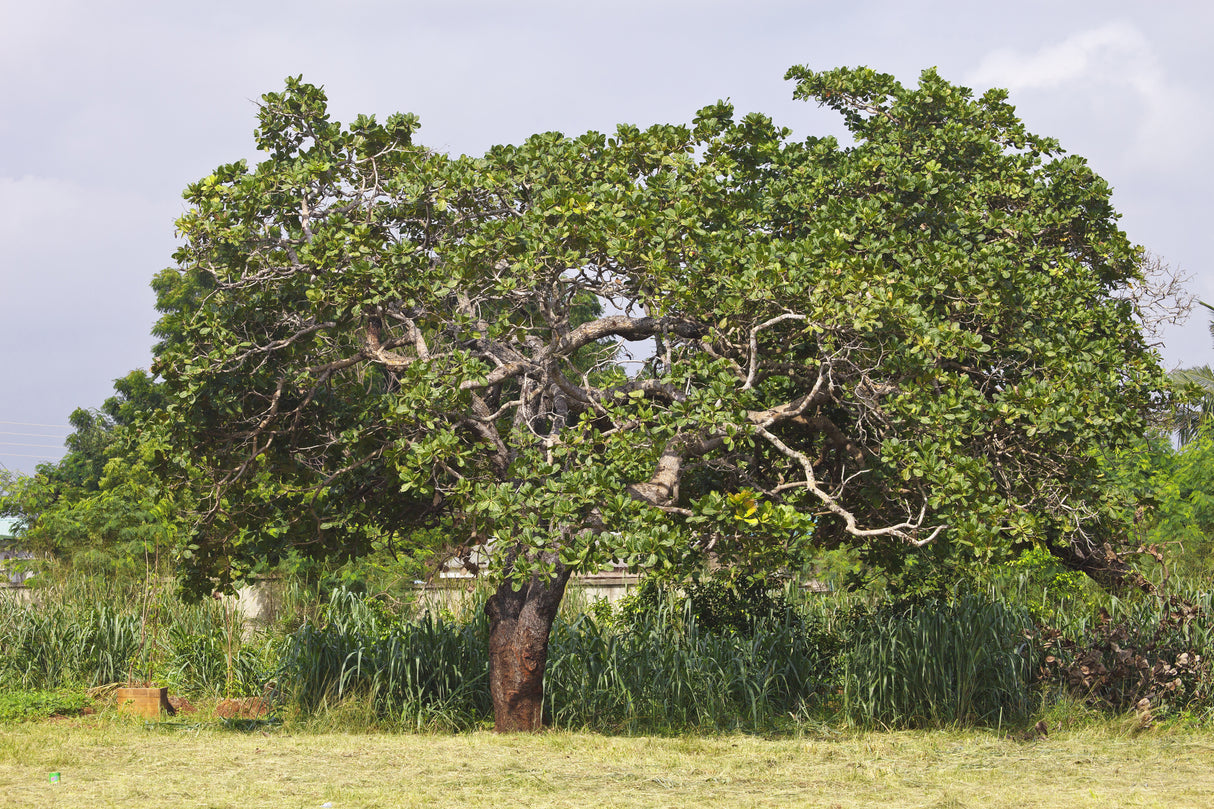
x,y
106,762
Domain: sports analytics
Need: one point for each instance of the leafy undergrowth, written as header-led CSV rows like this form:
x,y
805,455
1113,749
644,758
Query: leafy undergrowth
x,y
663,661
1146,654
19,706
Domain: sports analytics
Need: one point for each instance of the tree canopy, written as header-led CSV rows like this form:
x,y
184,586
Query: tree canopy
x,y
655,346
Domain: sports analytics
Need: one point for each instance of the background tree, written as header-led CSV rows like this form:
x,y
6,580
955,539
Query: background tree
x,y
100,506
918,344
1200,382
1170,500
1182,524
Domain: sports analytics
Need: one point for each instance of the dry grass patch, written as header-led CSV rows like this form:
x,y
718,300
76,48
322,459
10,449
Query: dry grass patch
x,y
106,762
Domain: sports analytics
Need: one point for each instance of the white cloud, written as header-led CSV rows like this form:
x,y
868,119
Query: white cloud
x,y
1118,47
1108,67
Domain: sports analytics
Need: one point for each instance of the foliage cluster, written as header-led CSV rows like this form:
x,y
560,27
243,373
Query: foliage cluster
x,y
368,344
101,505
715,603
1176,536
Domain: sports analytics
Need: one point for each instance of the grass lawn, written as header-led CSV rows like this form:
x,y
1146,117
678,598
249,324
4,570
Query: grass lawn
x,y
107,761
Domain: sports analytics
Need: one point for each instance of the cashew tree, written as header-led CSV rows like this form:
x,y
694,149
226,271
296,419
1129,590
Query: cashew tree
x,y
659,347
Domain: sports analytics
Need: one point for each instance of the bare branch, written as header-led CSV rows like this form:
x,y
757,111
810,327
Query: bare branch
x,y
905,530
1161,298
754,344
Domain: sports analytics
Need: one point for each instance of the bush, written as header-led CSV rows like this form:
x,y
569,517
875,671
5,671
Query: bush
x,y
1142,648
716,604
208,651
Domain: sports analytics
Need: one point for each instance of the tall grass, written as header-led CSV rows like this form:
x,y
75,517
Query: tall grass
x,y
1184,620
62,645
659,671
84,632
208,650
940,662
75,631
427,672
662,671
952,660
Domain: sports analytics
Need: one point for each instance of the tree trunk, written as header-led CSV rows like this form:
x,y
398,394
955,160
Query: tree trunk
x,y
1106,567
519,623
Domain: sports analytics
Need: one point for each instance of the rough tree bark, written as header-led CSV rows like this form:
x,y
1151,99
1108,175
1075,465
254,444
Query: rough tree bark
x,y
519,623
1104,566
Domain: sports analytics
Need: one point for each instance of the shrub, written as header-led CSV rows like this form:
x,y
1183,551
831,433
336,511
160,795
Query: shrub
x,y
208,651
717,604
1143,648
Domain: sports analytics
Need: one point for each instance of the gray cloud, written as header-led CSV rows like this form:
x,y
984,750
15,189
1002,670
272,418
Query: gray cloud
x,y
112,108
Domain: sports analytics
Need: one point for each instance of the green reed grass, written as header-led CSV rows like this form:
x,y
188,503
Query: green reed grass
x,y
663,671
941,662
210,651
659,671
49,647
952,660
429,671
1151,618
84,632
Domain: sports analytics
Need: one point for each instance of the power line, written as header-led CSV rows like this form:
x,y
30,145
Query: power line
x,y
32,424
23,455
16,444
30,435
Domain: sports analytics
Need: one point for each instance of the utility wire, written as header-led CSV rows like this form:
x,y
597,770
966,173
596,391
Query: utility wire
x,y
4,453
30,435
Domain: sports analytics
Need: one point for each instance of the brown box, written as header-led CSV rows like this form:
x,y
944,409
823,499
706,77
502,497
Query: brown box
x,y
148,702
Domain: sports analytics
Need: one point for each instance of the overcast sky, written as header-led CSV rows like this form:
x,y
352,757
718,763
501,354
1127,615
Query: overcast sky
x,y
109,109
